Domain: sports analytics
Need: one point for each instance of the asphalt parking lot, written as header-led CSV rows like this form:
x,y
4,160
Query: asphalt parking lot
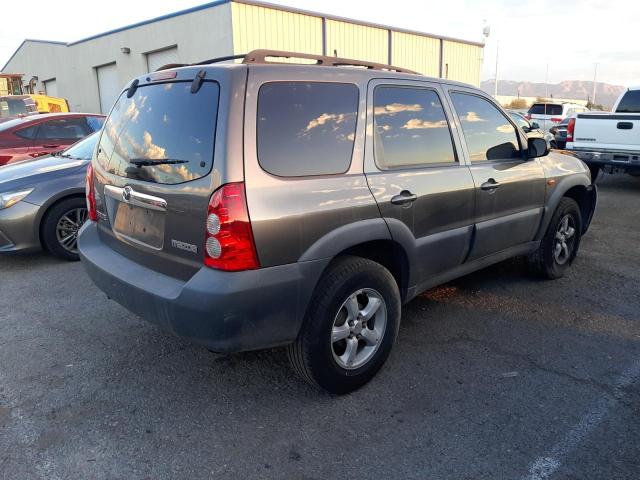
x,y
495,376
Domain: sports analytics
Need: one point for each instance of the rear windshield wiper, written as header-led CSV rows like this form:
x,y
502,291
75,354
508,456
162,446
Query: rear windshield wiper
x,y
144,162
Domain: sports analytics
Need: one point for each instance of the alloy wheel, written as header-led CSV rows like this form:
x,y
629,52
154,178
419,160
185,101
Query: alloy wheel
x,y
564,240
68,227
358,328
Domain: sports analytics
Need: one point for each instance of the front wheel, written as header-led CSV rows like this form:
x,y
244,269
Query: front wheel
x,y
350,327
61,225
561,241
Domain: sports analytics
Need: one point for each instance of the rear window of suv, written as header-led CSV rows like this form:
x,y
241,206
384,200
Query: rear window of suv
x,y
630,102
545,109
162,134
306,128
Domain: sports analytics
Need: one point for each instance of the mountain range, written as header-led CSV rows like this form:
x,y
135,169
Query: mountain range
x,y
606,94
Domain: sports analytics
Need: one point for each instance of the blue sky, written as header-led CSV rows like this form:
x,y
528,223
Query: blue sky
x,y
571,36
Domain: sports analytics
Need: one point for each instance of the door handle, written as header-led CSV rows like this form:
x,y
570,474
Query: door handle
x,y
625,125
405,197
490,185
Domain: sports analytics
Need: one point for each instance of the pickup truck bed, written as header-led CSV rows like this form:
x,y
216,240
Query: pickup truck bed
x,y
607,141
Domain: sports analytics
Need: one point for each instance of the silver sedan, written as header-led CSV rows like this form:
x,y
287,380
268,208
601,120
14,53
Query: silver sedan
x,y
42,202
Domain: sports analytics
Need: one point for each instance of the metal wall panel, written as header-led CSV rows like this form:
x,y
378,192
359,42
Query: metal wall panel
x,y
415,52
357,41
259,27
462,62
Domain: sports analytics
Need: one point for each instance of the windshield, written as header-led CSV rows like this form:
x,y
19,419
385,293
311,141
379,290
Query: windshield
x,y
545,109
163,134
82,150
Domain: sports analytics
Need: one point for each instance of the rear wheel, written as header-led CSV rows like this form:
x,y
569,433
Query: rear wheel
x,y
61,225
561,241
350,327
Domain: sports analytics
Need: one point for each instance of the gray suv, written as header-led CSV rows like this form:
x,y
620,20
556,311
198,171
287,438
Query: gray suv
x,y
258,204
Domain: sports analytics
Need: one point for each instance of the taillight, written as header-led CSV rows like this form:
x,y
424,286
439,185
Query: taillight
x,y
571,126
229,241
90,192
556,120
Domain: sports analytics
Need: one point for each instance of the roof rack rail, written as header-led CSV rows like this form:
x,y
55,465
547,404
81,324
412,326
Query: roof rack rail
x,y
262,56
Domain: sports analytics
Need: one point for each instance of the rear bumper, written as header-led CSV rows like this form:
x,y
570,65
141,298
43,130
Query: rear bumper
x,y
618,160
225,311
18,230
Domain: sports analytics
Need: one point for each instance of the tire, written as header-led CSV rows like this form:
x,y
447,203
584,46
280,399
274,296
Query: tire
x,y
55,227
546,261
595,172
321,361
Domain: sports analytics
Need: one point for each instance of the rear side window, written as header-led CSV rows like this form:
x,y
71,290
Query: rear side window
x,y
630,102
545,109
306,128
29,133
411,128
95,123
63,129
489,135
162,134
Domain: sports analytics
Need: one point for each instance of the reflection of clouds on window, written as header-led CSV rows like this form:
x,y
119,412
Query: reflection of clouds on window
x,y
325,118
506,128
417,123
395,108
472,117
165,118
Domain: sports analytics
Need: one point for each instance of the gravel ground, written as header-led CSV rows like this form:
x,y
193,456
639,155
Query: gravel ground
x,y
494,376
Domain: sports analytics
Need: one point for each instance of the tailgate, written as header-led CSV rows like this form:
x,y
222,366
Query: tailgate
x,y
618,131
152,169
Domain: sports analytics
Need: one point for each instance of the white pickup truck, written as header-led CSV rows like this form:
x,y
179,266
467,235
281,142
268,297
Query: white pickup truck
x,y
609,141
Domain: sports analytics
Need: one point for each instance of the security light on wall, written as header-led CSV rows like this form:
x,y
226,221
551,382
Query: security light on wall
x,y
125,50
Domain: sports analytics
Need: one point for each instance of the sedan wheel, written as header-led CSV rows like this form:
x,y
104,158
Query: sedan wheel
x,y
68,227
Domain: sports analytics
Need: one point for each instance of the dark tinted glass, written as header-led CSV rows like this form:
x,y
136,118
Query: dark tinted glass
x,y
410,128
95,123
630,102
488,133
306,128
545,109
29,132
63,129
161,123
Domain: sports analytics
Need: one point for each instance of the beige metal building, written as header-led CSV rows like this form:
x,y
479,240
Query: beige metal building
x,y
91,72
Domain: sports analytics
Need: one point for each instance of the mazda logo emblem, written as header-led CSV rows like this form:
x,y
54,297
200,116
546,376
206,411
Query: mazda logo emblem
x,y
126,193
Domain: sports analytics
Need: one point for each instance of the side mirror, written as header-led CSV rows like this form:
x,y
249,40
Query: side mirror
x,y
538,147
535,126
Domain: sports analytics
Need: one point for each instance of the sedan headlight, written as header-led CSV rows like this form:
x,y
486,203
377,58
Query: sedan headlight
x,y
8,199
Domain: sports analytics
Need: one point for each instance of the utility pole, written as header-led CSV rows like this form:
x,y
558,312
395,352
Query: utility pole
x,y
546,83
595,76
495,85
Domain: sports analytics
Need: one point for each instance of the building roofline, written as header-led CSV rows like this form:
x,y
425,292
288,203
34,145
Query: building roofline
x,y
256,3
32,40
197,8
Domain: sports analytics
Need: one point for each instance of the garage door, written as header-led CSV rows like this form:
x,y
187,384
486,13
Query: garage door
x,y
108,86
51,87
155,60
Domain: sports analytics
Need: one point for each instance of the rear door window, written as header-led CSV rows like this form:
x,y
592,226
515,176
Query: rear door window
x,y
630,102
545,109
63,129
306,128
411,128
489,135
162,134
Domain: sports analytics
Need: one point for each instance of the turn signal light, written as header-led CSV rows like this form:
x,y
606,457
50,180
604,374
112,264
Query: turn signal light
x,y
229,241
